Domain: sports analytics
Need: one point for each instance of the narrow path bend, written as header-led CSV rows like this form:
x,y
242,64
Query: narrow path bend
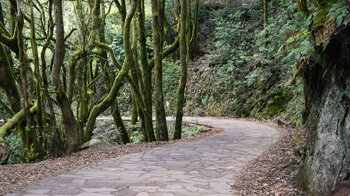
x,y
205,167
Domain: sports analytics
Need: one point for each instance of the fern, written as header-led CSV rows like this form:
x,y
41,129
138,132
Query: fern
x,y
338,11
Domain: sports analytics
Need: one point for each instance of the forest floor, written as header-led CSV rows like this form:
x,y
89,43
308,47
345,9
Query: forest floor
x,y
15,177
274,171
202,167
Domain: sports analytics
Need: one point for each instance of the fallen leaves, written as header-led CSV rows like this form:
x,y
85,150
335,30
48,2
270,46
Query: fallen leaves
x,y
271,172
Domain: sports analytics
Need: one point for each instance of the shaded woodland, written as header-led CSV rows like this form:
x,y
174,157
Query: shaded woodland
x,y
64,63
59,75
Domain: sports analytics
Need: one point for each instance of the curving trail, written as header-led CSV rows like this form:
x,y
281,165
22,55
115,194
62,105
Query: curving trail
x,y
205,167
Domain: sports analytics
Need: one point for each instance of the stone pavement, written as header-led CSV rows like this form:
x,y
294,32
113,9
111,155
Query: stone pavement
x,y
204,167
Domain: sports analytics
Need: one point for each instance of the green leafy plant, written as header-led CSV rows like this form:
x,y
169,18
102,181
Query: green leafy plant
x,y
136,136
31,155
191,131
170,85
14,143
338,11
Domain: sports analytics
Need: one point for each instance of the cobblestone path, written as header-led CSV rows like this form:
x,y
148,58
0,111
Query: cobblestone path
x,y
204,167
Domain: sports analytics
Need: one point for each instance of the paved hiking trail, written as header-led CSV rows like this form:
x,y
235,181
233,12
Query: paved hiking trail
x,y
204,167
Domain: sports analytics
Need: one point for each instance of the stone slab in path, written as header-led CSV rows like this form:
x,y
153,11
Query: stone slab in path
x,y
198,168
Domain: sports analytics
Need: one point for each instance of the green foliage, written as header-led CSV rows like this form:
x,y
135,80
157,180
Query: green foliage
x,y
14,143
171,76
191,131
231,40
31,155
111,136
136,136
295,107
298,44
19,154
248,71
171,127
125,100
338,11
117,46
105,132
3,113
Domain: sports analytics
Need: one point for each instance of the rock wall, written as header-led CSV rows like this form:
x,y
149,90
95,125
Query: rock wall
x,y
326,163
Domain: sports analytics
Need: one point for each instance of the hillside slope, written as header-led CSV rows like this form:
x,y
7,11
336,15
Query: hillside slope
x,y
235,74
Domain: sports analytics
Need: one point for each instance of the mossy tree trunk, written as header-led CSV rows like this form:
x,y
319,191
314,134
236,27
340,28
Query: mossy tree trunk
x,y
99,26
193,41
303,8
145,113
128,61
265,8
15,120
27,133
56,144
134,75
38,79
188,29
157,31
69,121
118,121
38,133
9,38
135,89
7,81
183,78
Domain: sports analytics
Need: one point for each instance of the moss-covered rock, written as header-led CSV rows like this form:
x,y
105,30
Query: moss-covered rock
x,y
327,118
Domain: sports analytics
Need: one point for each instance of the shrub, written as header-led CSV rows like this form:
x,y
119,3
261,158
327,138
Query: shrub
x,y
190,131
14,143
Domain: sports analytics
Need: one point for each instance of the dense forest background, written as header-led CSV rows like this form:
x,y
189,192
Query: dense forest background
x,y
65,63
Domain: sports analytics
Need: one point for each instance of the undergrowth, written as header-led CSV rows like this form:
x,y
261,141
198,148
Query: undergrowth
x,y
249,75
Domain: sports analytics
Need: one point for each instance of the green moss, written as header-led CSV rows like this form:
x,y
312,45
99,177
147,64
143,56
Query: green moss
x,y
303,178
85,145
270,105
216,110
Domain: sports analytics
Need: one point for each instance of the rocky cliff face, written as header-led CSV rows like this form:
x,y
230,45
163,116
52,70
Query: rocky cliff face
x,y
326,164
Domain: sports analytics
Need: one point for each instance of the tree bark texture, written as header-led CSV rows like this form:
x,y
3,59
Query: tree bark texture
x,y
161,125
128,61
69,121
183,78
